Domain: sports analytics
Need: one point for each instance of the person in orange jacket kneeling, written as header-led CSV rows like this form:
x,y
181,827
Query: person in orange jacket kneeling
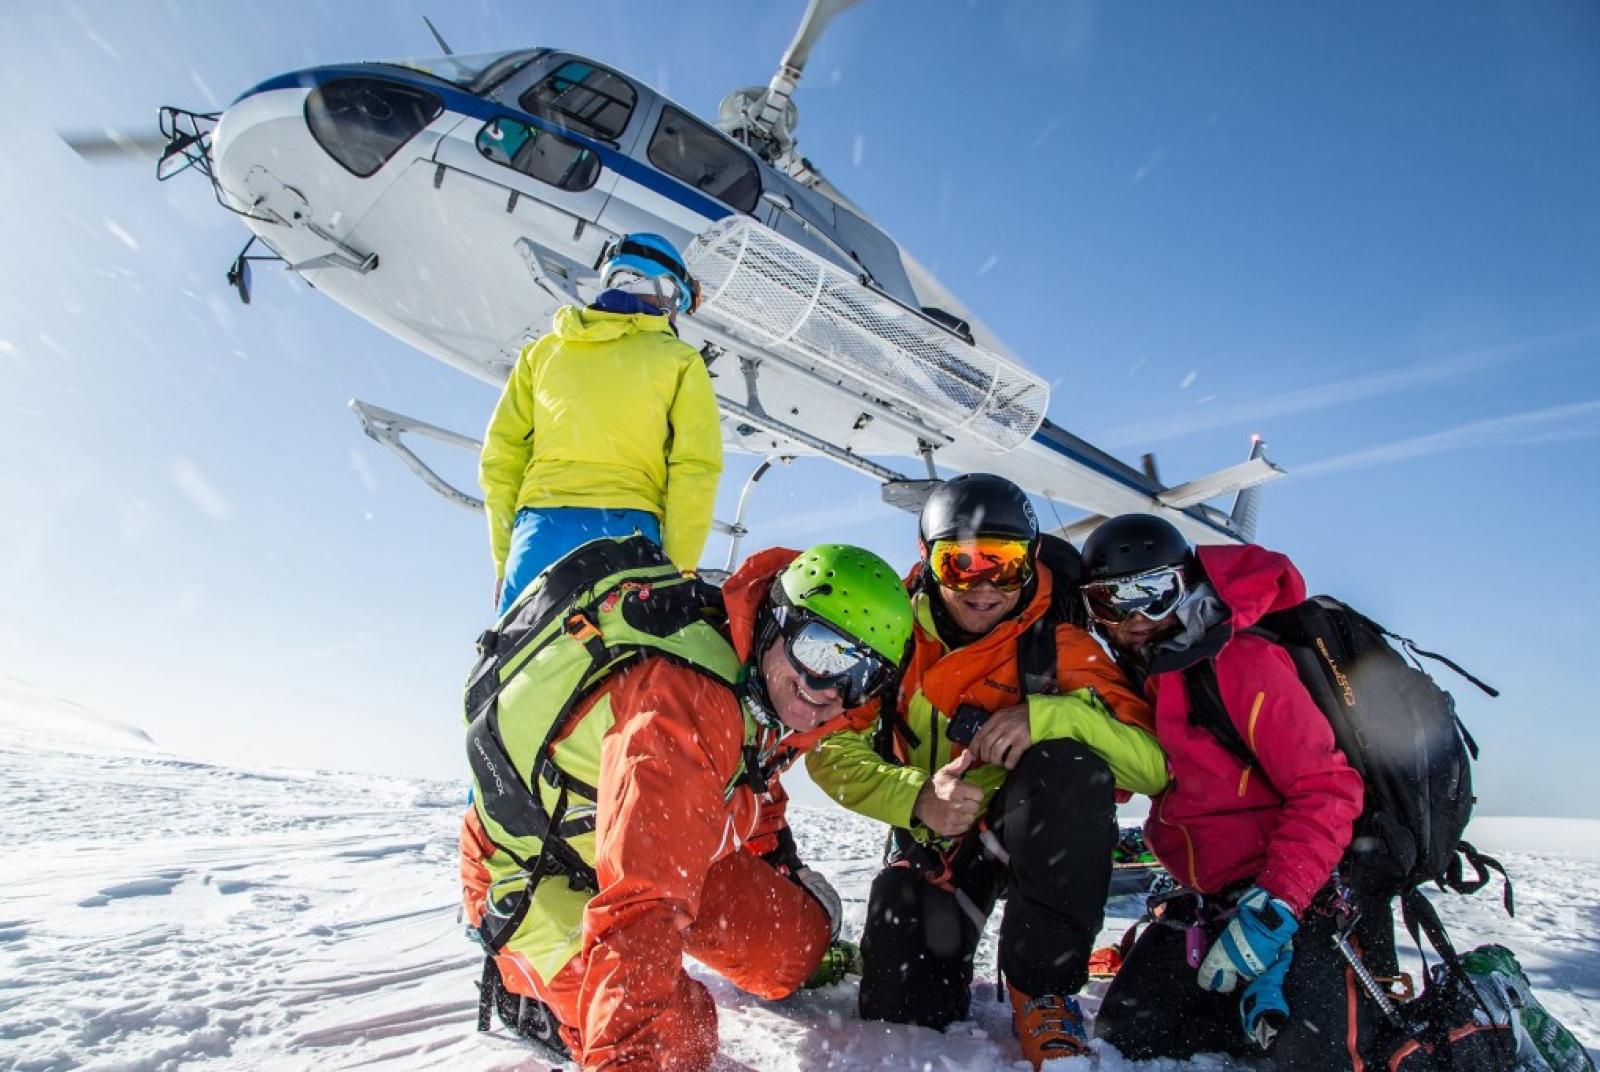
x,y
661,786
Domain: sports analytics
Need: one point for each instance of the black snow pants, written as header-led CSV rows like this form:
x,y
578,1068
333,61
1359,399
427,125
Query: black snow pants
x,y
1155,1006
1053,827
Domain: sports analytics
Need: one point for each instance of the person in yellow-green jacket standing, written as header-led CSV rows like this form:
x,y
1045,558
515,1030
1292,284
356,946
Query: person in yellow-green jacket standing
x,y
608,426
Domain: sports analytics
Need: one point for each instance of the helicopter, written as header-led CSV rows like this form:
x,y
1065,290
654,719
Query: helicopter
x,y
457,201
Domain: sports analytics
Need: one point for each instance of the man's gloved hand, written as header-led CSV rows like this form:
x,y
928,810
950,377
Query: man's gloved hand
x,y
1262,1008
826,896
1262,928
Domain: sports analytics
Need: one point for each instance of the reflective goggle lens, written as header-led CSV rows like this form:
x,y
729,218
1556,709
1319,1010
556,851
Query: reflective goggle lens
x,y
960,565
1155,594
829,659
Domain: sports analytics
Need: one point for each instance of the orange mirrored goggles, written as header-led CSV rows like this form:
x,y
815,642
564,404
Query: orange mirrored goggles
x,y
960,565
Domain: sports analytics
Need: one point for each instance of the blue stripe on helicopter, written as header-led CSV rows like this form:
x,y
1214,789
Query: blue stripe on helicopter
x,y
459,100
1089,462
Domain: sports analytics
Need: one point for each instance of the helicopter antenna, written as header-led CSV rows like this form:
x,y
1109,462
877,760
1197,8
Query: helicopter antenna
x,y
448,51
764,117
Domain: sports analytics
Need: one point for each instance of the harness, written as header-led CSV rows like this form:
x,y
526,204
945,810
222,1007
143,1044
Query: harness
x,y
597,612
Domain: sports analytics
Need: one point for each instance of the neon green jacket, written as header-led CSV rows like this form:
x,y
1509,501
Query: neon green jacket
x,y
609,410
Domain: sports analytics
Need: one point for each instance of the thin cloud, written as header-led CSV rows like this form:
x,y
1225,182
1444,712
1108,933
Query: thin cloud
x,y
1149,165
200,492
1044,134
1554,424
1327,395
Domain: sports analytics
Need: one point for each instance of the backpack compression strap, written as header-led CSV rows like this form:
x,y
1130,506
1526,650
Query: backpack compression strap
x,y
1207,711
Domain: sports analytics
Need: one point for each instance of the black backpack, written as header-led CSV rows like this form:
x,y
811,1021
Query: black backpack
x,y
1399,731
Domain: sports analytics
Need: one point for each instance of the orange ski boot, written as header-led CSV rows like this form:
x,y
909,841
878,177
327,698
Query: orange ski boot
x,y
1048,1026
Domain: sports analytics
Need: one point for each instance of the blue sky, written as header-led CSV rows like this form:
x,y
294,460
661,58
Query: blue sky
x,y
1369,232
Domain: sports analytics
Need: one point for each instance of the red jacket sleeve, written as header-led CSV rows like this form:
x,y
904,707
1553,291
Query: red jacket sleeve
x,y
1294,747
662,820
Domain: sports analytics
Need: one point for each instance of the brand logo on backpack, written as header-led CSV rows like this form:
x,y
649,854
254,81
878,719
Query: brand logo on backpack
x,y
491,766
1338,675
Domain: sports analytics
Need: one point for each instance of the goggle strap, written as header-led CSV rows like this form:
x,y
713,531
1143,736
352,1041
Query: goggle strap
x,y
655,256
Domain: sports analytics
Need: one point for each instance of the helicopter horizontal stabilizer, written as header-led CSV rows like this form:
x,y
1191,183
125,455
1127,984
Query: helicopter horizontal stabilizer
x,y
1247,474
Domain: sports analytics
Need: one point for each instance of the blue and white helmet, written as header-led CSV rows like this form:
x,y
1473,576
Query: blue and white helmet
x,y
649,265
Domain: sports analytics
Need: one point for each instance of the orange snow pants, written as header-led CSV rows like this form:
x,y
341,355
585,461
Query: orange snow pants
x,y
756,929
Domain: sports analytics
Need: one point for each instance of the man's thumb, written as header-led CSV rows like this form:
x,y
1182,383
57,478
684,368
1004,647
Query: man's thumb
x,y
959,765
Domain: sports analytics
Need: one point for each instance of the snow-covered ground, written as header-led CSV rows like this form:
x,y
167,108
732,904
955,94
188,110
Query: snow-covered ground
x,y
162,913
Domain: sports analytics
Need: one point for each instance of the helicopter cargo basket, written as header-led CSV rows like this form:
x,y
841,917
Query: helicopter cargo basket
x,y
764,289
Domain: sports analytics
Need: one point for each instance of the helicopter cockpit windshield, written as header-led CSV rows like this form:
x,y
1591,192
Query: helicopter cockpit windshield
x,y
478,73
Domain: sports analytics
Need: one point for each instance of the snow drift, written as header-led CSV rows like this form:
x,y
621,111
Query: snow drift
x,y
160,913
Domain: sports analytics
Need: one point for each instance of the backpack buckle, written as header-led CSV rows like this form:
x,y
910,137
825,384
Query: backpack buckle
x,y
581,628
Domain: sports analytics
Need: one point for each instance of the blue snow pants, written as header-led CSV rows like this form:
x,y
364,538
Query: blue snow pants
x,y
541,535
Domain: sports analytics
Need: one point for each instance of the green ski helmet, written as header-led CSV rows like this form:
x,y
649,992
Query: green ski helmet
x,y
855,594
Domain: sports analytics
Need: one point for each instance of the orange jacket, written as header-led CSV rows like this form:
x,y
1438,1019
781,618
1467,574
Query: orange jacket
x,y
665,815
1094,704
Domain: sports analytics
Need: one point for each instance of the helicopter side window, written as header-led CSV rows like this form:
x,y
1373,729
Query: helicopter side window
x,y
689,150
584,98
547,157
362,122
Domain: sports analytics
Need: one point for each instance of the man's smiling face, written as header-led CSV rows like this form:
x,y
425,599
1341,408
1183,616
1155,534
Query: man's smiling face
x,y
797,705
981,608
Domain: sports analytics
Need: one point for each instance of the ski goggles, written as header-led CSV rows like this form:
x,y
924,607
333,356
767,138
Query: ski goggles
x,y
676,270
961,565
828,659
667,288
1154,593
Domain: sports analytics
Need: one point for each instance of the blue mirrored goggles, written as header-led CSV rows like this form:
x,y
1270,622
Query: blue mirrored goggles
x,y
1155,594
829,659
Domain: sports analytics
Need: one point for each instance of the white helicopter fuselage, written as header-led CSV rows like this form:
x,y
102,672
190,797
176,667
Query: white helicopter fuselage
x,y
414,198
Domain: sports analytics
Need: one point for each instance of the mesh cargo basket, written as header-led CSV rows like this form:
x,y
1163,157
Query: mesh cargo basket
x,y
764,289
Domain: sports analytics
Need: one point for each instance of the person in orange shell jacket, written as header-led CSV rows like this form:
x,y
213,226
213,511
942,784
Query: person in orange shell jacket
x,y
690,852
997,763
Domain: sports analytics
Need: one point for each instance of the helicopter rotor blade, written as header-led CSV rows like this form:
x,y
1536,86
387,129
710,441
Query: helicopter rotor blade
x,y
110,145
448,51
818,14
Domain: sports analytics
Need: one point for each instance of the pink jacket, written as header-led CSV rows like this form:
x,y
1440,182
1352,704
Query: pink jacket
x,y
1284,821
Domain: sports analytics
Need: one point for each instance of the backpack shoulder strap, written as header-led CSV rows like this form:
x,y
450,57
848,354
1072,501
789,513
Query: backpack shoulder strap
x,y
1036,647
1207,710
1036,656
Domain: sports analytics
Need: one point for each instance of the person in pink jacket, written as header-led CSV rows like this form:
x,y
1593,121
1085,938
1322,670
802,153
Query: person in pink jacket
x,y
1240,958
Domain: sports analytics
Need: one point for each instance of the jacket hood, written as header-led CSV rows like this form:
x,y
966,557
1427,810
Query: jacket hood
x,y
1251,581
573,324
744,592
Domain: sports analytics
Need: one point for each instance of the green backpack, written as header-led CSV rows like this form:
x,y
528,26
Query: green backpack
x,y
593,613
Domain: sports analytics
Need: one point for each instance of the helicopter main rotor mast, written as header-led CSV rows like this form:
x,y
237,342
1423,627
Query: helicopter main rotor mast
x,y
764,117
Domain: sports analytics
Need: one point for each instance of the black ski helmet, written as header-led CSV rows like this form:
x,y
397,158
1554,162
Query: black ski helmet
x,y
976,504
1132,543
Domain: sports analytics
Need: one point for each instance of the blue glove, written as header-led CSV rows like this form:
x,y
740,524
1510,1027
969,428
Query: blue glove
x,y
1261,928
1262,1008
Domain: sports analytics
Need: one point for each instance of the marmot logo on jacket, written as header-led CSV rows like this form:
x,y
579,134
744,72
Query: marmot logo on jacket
x,y
1002,686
